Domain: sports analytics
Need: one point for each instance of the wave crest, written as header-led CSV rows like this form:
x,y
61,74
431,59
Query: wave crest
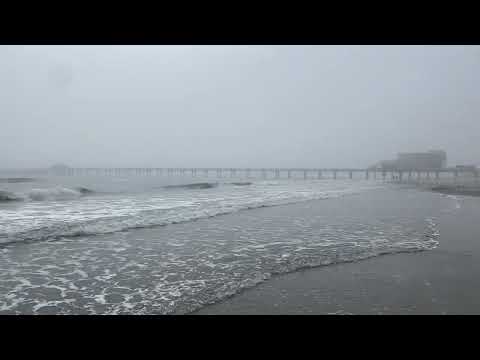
x,y
16,180
53,194
7,196
242,183
58,193
202,185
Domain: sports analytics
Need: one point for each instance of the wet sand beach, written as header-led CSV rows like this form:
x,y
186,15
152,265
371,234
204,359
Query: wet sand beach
x,y
440,281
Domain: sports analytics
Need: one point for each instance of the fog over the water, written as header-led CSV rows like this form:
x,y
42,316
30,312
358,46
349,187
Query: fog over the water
x,y
236,106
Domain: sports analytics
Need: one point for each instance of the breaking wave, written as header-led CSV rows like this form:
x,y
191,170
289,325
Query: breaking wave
x,y
58,193
148,218
53,194
7,196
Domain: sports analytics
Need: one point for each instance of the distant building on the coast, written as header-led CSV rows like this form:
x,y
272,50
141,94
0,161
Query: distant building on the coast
x,y
433,159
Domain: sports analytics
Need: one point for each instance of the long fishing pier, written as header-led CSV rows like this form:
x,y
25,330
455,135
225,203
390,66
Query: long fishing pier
x,y
278,173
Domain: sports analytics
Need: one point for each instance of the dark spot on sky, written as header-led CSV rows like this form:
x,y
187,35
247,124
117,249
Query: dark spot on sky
x,y
60,76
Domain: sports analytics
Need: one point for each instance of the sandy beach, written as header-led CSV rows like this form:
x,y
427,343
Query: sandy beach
x,y
440,281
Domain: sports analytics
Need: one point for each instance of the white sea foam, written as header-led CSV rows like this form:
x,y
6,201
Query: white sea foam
x,y
182,268
43,221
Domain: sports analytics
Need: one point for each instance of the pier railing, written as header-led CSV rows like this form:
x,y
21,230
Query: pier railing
x,y
397,175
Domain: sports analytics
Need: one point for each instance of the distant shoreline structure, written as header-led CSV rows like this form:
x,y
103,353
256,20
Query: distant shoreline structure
x,y
432,159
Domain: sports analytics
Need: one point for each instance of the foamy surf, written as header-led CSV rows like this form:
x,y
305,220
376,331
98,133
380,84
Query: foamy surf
x,y
178,269
179,212
181,286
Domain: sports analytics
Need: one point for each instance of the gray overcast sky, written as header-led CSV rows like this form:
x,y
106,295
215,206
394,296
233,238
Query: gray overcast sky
x,y
299,106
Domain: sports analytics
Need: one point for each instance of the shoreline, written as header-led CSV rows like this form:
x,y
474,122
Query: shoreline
x,y
438,281
464,189
456,190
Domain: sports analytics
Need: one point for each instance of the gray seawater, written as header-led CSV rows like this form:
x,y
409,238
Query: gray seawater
x,y
158,245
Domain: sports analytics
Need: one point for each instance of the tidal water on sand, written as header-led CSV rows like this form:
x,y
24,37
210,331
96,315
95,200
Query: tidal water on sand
x,y
160,245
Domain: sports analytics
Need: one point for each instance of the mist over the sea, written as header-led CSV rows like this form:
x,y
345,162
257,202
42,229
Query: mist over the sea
x,y
235,106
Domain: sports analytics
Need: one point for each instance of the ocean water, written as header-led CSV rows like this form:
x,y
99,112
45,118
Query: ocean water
x,y
163,245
